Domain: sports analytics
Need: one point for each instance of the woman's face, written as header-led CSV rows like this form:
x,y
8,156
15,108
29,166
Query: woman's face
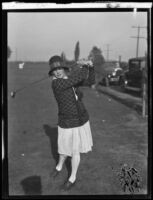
x,y
59,73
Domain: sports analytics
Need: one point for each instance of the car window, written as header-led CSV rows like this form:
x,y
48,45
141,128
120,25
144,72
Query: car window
x,y
142,64
134,66
118,72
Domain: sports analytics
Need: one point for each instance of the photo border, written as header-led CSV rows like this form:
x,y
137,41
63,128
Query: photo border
x,y
5,181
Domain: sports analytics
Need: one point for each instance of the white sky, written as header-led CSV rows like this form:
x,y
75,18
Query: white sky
x,y
39,35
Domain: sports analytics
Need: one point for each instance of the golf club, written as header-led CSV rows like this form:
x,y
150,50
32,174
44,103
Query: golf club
x,y
13,93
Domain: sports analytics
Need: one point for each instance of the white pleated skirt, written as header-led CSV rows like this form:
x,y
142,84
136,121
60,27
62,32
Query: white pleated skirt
x,y
75,140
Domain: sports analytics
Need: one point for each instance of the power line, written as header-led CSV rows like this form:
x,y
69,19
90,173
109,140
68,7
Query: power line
x,y
138,37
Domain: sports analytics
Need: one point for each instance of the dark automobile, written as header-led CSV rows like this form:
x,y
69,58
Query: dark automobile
x,y
132,78
112,78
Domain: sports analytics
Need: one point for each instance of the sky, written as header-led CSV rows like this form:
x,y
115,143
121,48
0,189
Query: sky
x,y
39,35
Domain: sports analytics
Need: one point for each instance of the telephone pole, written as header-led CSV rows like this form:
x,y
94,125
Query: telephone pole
x,y
138,37
108,50
144,72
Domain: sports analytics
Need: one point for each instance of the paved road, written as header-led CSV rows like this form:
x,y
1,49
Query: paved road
x,y
119,135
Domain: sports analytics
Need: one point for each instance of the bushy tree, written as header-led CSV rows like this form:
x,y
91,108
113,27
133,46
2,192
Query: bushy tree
x,y
77,52
97,58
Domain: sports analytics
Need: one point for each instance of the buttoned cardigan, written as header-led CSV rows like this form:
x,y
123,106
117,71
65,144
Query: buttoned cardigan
x,y
71,111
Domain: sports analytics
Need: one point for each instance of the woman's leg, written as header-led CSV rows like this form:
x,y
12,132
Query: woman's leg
x,y
75,161
61,161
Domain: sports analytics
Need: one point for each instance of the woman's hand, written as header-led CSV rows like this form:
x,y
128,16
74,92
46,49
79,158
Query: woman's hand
x,y
88,63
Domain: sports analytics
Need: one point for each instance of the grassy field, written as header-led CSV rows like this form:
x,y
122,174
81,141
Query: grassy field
x,y
119,134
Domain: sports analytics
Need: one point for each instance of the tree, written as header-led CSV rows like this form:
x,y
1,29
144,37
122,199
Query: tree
x,y
98,60
96,56
63,56
8,52
77,52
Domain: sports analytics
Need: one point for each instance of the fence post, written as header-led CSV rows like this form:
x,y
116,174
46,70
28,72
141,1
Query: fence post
x,y
144,88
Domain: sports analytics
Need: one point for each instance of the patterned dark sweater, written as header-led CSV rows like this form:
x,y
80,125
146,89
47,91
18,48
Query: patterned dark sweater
x,y
71,112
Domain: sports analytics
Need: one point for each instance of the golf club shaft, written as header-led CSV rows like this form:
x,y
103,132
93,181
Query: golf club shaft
x,y
33,83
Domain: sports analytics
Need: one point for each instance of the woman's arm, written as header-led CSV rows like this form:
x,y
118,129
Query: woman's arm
x,y
91,77
74,79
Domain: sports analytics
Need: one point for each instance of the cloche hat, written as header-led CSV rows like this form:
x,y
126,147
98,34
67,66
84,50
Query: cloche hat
x,y
56,62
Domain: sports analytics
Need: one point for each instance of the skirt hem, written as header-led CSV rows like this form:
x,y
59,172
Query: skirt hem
x,y
67,154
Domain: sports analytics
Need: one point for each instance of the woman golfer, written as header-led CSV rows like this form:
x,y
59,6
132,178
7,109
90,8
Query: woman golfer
x,y
74,133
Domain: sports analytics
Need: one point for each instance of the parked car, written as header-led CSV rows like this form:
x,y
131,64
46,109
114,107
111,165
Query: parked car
x,y
112,78
132,78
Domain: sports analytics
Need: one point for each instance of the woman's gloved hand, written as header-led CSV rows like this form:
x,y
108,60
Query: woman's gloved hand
x,y
88,63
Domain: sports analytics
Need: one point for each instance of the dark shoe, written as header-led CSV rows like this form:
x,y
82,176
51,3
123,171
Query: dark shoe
x,y
55,173
68,185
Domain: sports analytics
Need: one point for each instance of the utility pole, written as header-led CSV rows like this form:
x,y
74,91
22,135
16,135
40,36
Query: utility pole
x,y
144,87
138,37
144,72
108,50
119,60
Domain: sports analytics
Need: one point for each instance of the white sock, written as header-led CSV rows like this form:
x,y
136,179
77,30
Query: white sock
x,y
75,161
61,161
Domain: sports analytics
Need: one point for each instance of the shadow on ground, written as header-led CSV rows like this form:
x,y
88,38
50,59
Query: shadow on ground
x,y
32,185
52,133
